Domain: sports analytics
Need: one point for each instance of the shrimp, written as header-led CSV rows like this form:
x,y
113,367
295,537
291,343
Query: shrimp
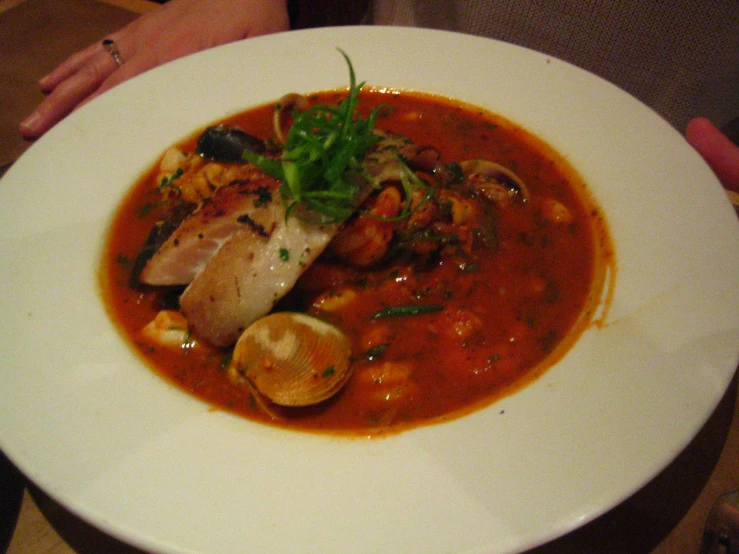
x,y
366,239
168,329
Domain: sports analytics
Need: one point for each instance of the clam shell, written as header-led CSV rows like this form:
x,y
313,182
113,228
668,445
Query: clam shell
x,y
283,111
499,174
292,358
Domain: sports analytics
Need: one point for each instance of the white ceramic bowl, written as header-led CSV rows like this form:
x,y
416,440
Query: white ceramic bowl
x,y
86,420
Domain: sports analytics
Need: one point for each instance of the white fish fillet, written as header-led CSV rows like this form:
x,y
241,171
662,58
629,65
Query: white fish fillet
x,y
240,256
249,274
199,237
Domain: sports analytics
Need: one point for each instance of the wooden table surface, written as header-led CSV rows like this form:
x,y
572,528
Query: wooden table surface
x,y
35,36
665,517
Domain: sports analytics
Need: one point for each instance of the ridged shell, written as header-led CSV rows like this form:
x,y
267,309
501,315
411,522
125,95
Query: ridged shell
x,y
293,359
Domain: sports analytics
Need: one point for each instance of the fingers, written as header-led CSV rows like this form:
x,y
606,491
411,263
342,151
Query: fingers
x,y
68,67
126,71
718,151
174,29
69,91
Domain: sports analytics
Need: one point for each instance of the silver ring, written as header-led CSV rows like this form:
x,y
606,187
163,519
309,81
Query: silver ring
x,y
112,49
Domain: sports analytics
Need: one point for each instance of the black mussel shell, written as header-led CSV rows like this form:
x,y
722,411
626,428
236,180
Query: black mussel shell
x,y
226,143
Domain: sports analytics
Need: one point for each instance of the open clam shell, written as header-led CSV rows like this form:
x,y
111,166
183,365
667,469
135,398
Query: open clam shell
x,y
292,359
494,181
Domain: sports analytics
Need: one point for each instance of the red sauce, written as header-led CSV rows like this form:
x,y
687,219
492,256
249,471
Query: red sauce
x,y
505,319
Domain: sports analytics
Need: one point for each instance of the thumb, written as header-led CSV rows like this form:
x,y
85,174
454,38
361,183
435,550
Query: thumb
x,y
717,150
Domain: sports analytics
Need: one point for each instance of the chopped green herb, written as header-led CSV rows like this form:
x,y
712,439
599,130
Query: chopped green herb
x,y
145,209
226,360
284,254
375,351
167,181
328,372
397,311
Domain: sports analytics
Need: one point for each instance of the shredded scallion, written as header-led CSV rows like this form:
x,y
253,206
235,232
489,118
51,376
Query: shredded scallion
x,y
414,309
320,166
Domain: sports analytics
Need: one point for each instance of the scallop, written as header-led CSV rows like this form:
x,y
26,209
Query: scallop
x,y
292,359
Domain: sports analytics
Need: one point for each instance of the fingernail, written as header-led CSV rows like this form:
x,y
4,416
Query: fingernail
x,y
30,125
44,83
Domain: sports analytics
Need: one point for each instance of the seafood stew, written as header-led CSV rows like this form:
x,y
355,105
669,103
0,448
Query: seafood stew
x,y
471,264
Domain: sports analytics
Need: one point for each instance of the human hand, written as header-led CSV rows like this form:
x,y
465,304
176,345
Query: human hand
x,y
176,29
718,151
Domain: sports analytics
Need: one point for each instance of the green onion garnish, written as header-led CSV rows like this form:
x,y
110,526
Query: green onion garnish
x,y
416,309
320,164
